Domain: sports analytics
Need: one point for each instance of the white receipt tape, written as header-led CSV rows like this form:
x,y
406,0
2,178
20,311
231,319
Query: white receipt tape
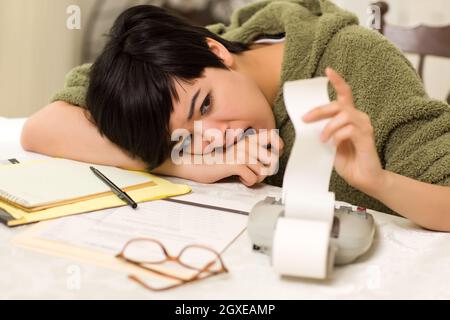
x,y
308,171
309,205
301,248
301,244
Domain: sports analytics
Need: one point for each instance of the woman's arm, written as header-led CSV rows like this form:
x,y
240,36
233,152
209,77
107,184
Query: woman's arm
x,y
358,164
62,130
426,204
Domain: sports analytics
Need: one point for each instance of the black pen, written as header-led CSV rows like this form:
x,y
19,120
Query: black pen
x,y
117,191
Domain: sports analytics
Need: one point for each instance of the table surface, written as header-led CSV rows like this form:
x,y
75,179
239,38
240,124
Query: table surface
x,y
405,262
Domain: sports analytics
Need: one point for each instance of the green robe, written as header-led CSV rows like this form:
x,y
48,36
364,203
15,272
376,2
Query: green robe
x,y
412,131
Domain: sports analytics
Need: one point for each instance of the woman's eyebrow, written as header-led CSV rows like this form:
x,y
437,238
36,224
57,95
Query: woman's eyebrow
x,y
193,103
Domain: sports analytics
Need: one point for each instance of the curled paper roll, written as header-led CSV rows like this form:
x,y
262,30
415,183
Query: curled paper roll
x,y
306,205
301,243
308,172
301,248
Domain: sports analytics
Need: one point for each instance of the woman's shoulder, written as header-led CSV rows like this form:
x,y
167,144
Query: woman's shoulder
x,y
359,46
75,86
360,36
78,75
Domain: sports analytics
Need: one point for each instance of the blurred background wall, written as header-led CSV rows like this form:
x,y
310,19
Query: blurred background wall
x,y
37,49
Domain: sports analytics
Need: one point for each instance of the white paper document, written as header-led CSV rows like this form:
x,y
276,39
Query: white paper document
x,y
172,224
97,237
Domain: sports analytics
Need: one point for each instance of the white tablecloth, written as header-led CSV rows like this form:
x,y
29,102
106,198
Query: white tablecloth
x,y
405,262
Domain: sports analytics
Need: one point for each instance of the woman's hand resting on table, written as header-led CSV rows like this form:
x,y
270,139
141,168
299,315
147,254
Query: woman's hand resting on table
x,y
251,165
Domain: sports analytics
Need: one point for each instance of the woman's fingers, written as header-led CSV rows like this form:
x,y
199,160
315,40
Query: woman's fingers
x,y
345,133
268,139
269,162
345,118
344,99
322,112
256,157
259,170
263,147
357,118
276,143
339,121
359,139
246,175
343,90
253,172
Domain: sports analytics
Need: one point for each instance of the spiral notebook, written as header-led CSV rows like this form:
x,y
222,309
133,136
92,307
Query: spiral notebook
x,y
41,184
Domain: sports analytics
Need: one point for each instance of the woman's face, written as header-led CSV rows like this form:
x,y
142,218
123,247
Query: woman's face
x,y
222,99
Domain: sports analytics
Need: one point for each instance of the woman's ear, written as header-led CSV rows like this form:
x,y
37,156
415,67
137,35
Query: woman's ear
x,y
219,50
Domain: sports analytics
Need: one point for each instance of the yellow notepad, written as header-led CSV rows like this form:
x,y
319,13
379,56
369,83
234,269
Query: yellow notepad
x,y
40,184
140,186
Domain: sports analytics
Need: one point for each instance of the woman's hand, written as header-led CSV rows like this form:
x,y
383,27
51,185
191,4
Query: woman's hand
x,y
247,159
357,163
356,160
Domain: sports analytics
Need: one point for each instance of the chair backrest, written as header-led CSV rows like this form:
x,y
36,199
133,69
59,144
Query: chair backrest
x,y
422,40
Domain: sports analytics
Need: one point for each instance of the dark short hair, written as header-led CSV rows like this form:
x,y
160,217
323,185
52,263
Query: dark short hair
x,y
132,82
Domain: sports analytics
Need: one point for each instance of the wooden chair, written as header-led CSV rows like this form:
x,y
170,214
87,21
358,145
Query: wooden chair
x,y
422,40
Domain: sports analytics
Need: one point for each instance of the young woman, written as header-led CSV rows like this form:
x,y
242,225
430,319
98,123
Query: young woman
x,y
158,74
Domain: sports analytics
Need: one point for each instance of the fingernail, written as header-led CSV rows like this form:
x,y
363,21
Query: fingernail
x,y
186,142
249,132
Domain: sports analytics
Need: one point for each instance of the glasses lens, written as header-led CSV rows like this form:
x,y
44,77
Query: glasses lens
x,y
144,251
198,258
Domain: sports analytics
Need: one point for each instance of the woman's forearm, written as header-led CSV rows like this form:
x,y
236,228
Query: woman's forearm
x,y
426,204
62,130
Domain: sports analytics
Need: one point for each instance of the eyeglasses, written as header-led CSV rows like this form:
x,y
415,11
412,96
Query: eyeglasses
x,y
149,253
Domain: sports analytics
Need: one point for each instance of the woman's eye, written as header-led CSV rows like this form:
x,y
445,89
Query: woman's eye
x,y
206,105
